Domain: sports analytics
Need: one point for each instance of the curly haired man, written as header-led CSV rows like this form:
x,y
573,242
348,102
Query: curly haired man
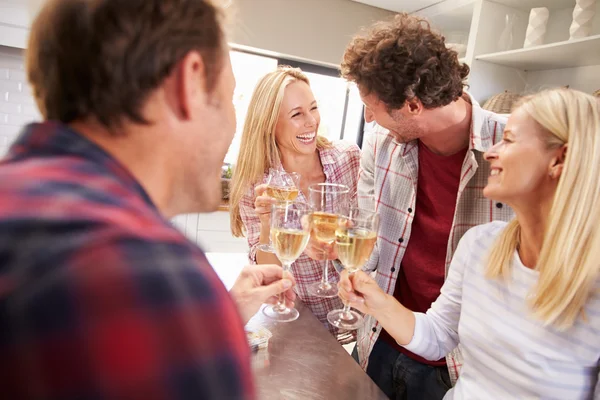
x,y
426,173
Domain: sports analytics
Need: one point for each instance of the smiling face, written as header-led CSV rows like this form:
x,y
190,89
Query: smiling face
x,y
298,120
523,167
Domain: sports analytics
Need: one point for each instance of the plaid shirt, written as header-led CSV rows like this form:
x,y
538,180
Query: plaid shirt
x,y
389,172
100,296
340,165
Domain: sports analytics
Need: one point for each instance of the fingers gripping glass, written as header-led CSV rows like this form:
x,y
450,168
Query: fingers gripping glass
x,y
355,239
281,186
328,201
290,231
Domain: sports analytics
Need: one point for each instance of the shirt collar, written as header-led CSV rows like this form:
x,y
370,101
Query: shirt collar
x,y
52,138
476,141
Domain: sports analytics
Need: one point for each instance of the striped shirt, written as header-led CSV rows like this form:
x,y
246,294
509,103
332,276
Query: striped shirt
x,y
507,353
389,172
340,165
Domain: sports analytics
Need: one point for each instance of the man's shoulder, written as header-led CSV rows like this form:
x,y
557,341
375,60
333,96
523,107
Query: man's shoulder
x,y
494,123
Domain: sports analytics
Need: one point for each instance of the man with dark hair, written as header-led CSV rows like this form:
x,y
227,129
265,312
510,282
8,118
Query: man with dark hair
x,y
100,296
426,173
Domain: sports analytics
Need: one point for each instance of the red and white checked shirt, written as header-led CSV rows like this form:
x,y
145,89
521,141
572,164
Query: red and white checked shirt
x,y
389,172
340,163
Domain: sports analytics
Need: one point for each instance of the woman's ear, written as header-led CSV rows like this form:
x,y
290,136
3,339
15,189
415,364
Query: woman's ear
x,y
558,162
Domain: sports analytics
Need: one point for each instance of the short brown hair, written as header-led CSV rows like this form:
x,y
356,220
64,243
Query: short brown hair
x,y
404,58
102,58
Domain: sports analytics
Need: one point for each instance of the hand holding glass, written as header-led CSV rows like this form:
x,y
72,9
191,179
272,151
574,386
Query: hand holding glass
x,y
290,230
355,239
327,201
281,186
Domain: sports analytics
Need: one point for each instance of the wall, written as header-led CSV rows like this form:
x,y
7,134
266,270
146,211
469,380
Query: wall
x,y
17,106
317,30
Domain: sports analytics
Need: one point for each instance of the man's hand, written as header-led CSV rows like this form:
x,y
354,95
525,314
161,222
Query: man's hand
x,y
259,284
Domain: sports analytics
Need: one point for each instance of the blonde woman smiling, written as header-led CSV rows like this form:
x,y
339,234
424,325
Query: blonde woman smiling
x,y
280,131
522,299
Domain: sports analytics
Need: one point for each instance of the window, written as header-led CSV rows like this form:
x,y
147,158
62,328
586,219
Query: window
x,y
340,105
247,69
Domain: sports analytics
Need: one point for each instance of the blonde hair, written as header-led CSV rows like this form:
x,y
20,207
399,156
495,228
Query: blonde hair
x,y
569,261
258,148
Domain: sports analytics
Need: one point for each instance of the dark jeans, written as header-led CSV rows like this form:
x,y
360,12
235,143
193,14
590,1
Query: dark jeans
x,y
402,378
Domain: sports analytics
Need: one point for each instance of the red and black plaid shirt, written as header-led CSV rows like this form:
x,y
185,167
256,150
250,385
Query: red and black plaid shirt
x,y
100,297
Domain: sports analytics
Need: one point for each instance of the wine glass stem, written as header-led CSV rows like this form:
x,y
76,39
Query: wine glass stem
x,y
281,306
325,277
346,310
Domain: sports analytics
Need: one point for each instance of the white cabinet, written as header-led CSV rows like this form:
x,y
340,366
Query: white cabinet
x,y
211,232
15,21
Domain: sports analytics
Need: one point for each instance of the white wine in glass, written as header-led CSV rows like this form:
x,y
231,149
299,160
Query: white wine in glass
x,y
288,243
282,193
324,226
354,247
355,238
290,231
281,186
328,201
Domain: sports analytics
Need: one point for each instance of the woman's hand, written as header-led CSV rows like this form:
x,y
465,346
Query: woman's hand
x,y
363,293
366,296
262,206
318,250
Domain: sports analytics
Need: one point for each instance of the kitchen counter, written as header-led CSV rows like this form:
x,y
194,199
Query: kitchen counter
x,y
303,361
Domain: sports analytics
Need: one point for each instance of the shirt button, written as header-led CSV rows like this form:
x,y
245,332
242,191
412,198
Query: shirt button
x,y
498,205
400,240
410,210
374,329
393,269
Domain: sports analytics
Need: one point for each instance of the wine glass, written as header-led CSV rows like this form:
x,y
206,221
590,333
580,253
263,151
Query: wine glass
x,y
290,231
281,186
328,201
355,239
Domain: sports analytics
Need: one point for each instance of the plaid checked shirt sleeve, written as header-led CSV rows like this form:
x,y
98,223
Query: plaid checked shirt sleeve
x,y
251,223
127,318
366,188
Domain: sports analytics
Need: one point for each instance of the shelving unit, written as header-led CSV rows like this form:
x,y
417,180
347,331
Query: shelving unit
x,y
566,54
559,62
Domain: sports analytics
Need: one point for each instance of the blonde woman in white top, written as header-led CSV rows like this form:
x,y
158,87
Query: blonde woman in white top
x,y
522,299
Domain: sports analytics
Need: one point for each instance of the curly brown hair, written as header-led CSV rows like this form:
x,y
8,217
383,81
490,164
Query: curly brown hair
x,y
404,58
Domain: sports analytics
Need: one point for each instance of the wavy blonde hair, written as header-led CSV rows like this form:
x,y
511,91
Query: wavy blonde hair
x,y
569,261
258,148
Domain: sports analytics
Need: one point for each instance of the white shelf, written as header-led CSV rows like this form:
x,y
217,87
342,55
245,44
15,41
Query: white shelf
x,y
527,5
575,53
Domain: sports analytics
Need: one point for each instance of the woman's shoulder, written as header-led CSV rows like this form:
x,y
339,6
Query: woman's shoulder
x,y
484,235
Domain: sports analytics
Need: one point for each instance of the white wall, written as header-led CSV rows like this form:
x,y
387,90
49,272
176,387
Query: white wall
x,y
17,106
586,79
317,30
